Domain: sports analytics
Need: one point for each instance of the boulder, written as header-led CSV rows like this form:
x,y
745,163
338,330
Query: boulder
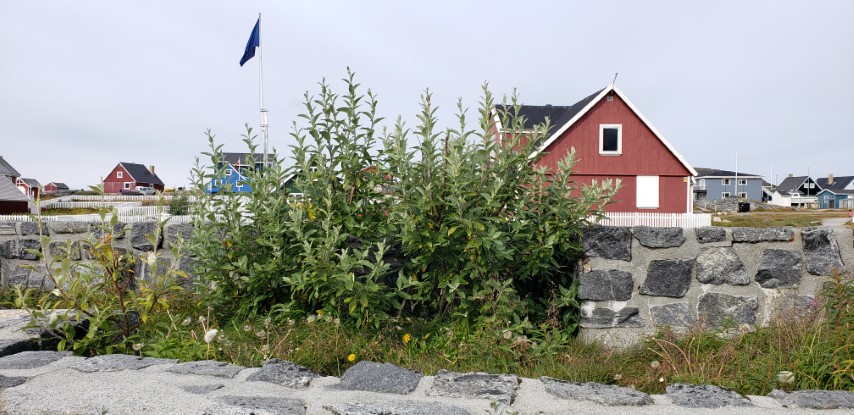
x,y
609,242
710,234
604,285
755,235
668,278
603,318
715,309
672,315
779,269
821,251
659,237
718,265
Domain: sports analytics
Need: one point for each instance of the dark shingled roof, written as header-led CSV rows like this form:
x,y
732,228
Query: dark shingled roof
x,y
242,158
59,185
534,115
838,186
791,185
31,182
6,169
705,172
141,173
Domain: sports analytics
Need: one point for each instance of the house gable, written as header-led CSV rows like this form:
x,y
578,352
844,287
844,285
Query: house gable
x,y
639,138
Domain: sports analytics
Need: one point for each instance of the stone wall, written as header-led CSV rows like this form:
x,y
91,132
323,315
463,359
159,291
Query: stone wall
x,y
69,239
634,281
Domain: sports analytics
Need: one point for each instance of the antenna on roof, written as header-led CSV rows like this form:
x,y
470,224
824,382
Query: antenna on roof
x,y
615,78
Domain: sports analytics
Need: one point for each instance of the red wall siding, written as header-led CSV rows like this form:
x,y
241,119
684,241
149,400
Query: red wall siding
x,y
50,188
113,184
643,154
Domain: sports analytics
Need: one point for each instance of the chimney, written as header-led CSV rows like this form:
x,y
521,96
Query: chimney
x,y
151,169
829,179
791,175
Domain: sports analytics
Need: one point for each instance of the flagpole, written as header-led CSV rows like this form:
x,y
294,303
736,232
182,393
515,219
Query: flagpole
x,y
264,125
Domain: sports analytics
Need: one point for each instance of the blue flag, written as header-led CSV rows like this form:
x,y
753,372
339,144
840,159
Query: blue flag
x,y
254,42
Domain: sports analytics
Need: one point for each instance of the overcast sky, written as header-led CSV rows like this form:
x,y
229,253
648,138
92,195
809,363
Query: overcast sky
x,y
87,84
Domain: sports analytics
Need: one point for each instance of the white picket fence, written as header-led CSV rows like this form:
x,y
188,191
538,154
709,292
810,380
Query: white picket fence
x,y
97,201
672,220
126,218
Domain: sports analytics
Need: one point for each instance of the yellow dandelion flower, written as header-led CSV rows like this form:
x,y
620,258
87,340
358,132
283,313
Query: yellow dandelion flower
x,y
319,312
407,338
351,358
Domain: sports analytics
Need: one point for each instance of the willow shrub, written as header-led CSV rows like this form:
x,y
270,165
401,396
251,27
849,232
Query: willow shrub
x,y
474,229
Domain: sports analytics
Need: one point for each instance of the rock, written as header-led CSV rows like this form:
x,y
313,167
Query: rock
x,y
68,227
61,249
394,408
607,285
706,396
714,309
202,389
10,382
815,399
117,232
139,236
710,234
15,337
821,251
118,362
673,315
175,232
659,237
609,395
668,278
26,248
718,265
9,249
779,269
380,377
609,242
8,228
33,228
207,368
29,277
261,405
602,318
801,306
283,373
754,235
475,385
31,359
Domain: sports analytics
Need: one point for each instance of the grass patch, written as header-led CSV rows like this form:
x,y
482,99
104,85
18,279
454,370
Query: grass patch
x,y
776,219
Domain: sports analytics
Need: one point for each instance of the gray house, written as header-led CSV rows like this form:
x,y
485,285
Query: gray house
x,y
714,184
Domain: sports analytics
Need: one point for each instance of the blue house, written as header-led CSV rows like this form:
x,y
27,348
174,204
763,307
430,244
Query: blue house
x,y
715,184
235,168
836,193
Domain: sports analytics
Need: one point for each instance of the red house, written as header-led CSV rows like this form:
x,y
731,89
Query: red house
x,y
613,140
127,176
29,187
55,187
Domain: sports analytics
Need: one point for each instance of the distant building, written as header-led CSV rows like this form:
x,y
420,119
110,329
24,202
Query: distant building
x,y
715,184
236,168
126,177
12,200
836,193
796,191
29,187
55,187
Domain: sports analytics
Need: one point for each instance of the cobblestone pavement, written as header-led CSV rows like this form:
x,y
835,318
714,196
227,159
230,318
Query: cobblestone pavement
x,y
48,382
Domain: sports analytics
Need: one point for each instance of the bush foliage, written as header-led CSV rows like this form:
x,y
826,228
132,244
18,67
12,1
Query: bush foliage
x,y
460,225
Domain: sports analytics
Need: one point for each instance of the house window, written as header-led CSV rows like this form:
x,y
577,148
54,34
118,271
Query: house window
x,y
724,195
227,172
120,175
725,182
742,195
647,192
742,182
127,184
611,139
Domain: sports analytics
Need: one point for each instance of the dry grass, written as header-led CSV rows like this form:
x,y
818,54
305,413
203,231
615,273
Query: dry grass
x,y
776,219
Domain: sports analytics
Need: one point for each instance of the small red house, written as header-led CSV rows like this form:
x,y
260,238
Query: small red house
x,y
613,140
29,187
127,176
55,187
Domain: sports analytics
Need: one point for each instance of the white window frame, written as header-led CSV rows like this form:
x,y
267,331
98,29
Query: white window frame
x,y
127,185
619,128
120,174
726,182
724,195
742,182
645,186
742,195
227,172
